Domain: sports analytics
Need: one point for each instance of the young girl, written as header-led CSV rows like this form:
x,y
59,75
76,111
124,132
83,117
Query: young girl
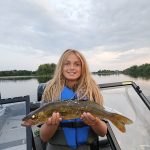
x,y
72,80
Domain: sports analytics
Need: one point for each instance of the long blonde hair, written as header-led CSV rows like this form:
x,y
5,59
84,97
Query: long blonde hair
x,y
86,86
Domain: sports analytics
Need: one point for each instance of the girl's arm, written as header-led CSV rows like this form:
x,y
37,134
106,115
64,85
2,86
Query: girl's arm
x,y
49,128
96,124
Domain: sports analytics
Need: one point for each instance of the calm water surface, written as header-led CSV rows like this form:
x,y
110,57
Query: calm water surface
x,y
28,86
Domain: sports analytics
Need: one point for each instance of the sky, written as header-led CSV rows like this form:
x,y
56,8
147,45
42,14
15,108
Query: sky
x,y
111,35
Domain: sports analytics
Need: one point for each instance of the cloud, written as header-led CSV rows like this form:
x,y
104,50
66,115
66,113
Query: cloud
x,y
116,60
114,34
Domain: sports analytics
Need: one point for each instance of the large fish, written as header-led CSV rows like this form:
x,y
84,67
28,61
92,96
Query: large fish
x,y
70,109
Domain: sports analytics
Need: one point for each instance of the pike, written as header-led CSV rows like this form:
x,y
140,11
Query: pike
x,y
70,109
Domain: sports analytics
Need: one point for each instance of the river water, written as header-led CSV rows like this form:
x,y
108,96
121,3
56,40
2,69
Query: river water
x,y
14,87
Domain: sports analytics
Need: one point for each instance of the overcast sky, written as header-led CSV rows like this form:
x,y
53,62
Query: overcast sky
x,y
111,34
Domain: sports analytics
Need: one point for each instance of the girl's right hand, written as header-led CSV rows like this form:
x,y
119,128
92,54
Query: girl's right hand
x,y
49,128
54,120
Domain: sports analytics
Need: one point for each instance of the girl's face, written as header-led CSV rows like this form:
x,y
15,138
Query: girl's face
x,y
72,68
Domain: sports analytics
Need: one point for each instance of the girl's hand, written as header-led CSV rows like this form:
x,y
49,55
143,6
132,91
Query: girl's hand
x,y
96,124
54,119
89,119
49,128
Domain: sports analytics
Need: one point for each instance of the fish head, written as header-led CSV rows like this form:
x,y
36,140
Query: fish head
x,y
34,118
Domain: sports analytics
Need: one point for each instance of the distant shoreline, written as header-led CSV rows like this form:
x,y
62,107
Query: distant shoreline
x,y
49,76
32,76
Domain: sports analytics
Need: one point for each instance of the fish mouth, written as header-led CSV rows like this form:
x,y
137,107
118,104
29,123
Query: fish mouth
x,y
25,124
28,123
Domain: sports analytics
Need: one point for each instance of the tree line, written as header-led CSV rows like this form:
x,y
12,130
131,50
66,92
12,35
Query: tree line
x,y
135,71
44,69
48,69
142,70
104,71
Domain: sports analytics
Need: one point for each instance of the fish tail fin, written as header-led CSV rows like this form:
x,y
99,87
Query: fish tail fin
x,y
120,121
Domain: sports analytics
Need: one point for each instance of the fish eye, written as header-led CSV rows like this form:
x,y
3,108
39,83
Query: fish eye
x,y
33,116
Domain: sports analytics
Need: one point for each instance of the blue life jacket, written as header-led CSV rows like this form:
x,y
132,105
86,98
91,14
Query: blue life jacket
x,y
74,136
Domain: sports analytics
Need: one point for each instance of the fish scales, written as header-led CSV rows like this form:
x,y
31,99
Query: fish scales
x,y
70,109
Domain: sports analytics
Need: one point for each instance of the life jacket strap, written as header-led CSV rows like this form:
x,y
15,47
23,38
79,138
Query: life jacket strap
x,y
72,124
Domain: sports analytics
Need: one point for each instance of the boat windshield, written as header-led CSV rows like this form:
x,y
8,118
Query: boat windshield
x,y
12,134
125,100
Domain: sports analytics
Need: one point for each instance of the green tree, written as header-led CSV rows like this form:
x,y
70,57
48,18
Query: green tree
x,y
46,69
142,70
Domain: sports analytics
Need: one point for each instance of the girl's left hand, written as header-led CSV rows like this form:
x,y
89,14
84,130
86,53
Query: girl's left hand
x,y
89,119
